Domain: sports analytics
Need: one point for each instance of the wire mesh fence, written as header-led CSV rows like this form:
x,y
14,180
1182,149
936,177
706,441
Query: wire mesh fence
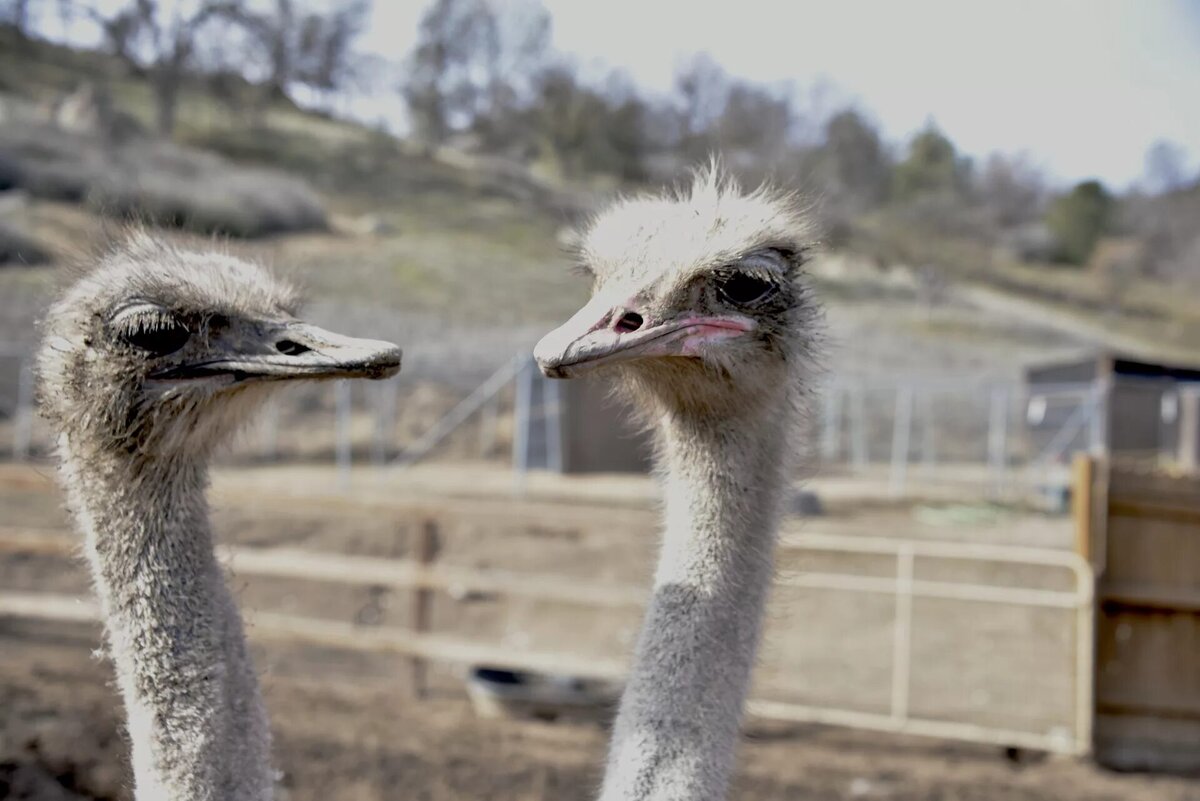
x,y
999,437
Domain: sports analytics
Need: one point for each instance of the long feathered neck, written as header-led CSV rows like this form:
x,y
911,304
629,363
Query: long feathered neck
x,y
677,728
196,720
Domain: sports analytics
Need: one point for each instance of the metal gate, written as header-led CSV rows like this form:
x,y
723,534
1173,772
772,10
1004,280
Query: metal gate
x,y
922,575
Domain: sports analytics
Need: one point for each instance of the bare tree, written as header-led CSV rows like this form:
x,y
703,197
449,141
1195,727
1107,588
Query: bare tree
x,y
521,51
17,14
857,165
279,39
161,40
473,65
586,129
755,120
701,92
1165,224
1166,166
1012,189
279,46
325,59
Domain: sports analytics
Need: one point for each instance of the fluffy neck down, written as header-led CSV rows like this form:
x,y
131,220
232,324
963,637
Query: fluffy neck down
x,y
676,732
198,727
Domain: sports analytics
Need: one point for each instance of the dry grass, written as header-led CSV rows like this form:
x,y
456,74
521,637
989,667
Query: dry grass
x,y
1152,313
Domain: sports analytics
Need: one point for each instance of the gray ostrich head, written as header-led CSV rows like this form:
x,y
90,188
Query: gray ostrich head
x,y
699,301
159,351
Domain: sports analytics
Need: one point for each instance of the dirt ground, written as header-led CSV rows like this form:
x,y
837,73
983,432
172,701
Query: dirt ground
x,y
60,738
347,725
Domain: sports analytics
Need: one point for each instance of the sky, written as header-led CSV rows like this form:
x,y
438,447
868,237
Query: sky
x,y
1082,87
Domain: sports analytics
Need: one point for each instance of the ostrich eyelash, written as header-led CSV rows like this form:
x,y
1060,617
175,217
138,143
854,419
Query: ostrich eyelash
x,y
148,322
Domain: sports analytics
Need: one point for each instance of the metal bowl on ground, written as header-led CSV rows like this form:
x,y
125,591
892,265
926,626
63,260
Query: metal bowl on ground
x,y
526,695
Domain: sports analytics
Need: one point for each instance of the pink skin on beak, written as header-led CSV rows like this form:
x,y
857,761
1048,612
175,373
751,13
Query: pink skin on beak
x,y
603,332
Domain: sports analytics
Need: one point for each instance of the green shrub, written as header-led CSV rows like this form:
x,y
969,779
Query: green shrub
x,y
1078,219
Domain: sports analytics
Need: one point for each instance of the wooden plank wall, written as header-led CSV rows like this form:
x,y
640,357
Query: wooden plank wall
x,y
1141,530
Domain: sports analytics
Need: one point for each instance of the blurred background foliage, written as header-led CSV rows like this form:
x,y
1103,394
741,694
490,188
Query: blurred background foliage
x,y
217,116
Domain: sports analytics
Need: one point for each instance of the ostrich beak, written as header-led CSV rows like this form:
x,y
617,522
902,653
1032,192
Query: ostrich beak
x,y
603,333
290,350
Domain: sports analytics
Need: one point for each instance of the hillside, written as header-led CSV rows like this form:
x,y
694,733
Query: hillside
x,y
460,256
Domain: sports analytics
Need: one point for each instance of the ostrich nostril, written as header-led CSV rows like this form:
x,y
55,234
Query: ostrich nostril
x,y
289,348
629,321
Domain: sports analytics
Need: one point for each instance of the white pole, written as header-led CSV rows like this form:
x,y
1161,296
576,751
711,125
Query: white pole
x,y
998,437
552,419
341,397
521,413
901,436
928,444
1098,409
23,416
858,426
488,417
902,633
270,430
385,419
831,422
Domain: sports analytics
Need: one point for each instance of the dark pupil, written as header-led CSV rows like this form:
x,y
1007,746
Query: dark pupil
x,y
742,288
159,336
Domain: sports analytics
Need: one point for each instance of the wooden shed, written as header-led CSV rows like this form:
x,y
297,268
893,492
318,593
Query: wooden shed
x,y
1143,409
577,426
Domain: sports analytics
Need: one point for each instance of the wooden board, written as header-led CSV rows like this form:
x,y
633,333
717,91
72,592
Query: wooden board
x,y
1147,666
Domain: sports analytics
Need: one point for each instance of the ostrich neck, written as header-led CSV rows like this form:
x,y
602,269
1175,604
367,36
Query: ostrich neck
x,y
196,720
677,728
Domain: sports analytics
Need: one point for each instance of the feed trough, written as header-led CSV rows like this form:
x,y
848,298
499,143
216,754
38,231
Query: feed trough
x,y
499,693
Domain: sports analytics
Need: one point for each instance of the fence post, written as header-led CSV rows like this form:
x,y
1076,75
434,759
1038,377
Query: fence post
x,y
901,436
341,399
270,430
858,426
1098,421
385,419
1082,476
902,632
422,601
552,420
488,417
1084,512
23,414
831,422
998,438
928,444
521,414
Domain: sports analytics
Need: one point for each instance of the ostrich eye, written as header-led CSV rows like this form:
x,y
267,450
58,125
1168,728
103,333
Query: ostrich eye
x,y
741,288
156,331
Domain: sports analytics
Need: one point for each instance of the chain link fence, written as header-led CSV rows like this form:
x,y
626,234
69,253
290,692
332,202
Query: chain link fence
x,y
997,437
1000,436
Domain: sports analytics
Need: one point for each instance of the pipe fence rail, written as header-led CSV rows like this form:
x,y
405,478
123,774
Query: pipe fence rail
x,y
966,579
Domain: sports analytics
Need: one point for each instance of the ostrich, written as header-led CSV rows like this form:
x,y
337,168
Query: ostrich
x,y
700,305
149,362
